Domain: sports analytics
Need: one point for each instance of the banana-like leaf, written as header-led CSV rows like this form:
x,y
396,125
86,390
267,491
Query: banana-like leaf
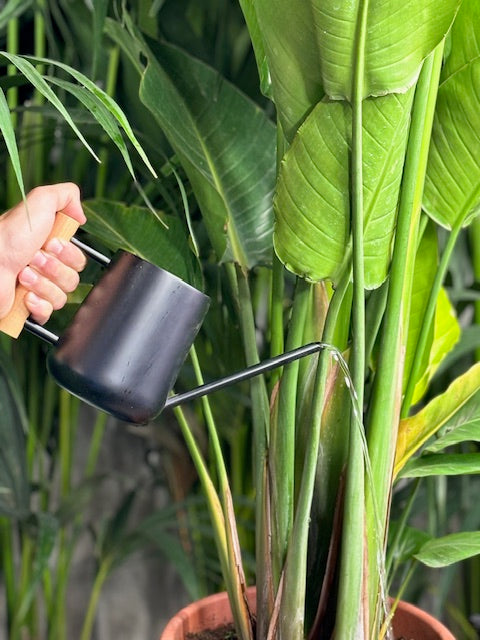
x,y
452,186
225,143
400,36
457,407
442,464
454,547
312,204
135,229
311,47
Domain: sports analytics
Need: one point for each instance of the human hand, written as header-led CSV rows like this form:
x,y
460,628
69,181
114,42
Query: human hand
x,y
49,272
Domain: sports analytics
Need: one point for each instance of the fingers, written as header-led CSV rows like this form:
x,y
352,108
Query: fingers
x,y
64,196
51,274
40,310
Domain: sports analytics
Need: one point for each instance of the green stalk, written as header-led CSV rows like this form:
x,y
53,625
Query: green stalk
x,y
474,235
95,443
39,99
8,568
402,523
112,76
65,443
260,419
13,31
276,315
282,438
350,619
278,284
384,415
429,317
27,552
291,623
219,524
236,576
100,578
68,408
33,408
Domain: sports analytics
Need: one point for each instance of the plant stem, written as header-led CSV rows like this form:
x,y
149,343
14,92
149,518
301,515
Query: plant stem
x,y
8,568
13,27
219,525
261,421
474,235
350,620
384,412
389,567
95,443
236,579
100,578
282,437
40,52
111,82
276,315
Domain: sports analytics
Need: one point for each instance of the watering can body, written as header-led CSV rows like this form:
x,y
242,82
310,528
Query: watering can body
x,y
126,344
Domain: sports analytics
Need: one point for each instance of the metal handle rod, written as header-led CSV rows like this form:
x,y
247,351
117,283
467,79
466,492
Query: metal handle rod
x,y
41,332
245,374
92,253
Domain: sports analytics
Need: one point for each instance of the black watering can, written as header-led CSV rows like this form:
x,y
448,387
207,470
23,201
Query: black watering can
x,y
124,348
126,344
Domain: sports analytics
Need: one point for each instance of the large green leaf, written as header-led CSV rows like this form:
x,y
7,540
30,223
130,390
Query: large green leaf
x,y
451,548
225,143
452,186
135,229
453,408
312,46
312,204
398,38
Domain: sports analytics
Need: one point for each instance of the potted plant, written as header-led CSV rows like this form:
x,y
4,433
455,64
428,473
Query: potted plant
x,y
377,148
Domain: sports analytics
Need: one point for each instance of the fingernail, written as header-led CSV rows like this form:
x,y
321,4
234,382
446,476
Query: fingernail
x,y
28,276
55,245
39,259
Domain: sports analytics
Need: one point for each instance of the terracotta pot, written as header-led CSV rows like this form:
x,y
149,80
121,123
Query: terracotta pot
x,y
409,621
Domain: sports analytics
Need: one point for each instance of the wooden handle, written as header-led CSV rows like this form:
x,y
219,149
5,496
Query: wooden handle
x,y
64,228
